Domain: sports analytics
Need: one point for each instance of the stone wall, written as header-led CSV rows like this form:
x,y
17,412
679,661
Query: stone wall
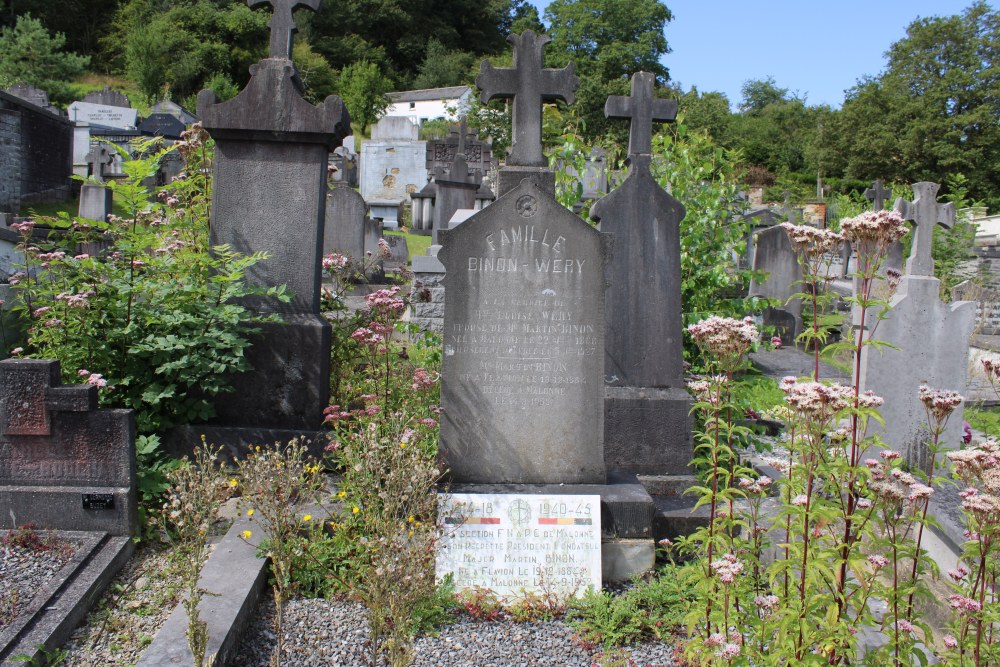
x,y
36,154
427,310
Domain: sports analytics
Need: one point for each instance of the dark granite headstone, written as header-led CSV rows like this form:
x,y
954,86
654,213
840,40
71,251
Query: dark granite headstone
x,y
529,84
57,448
32,95
269,194
441,152
647,423
455,187
162,125
776,259
346,213
524,337
108,97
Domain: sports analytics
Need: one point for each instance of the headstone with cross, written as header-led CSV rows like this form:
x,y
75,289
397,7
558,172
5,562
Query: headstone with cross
x,y
282,23
455,186
97,159
647,424
529,84
269,194
925,213
928,340
876,194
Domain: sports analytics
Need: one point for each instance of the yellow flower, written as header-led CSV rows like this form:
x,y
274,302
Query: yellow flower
x,y
247,534
250,512
355,510
233,483
410,520
333,525
402,445
342,494
307,517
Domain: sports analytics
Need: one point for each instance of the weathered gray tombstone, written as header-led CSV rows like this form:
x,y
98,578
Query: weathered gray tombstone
x,y
647,422
595,175
775,257
392,167
456,187
272,150
96,199
522,377
344,232
442,152
64,464
108,97
930,339
529,84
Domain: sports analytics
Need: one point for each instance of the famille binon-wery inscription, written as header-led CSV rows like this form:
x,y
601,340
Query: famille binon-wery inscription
x,y
524,344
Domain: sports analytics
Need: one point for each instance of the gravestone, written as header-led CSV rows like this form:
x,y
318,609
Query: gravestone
x,y
595,175
455,187
524,341
930,339
33,95
647,422
105,115
96,199
392,167
269,194
775,257
108,97
441,152
346,215
64,464
529,84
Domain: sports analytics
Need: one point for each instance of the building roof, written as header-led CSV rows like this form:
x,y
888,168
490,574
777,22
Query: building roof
x,y
451,93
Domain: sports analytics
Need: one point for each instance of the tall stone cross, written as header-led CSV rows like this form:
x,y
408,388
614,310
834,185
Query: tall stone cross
x,y
925,213
282,24
642,108
876,195
529,84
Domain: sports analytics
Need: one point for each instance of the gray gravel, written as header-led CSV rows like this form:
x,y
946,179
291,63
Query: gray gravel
x,y
25,572
320,633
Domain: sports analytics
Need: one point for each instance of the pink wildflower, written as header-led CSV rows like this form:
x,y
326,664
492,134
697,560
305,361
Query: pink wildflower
x,y
950,641
724,337
878,228
878,561
939,402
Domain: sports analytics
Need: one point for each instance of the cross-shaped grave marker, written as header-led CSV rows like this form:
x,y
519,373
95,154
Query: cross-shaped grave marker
x,y
925,213
282,24
98,158
642,108
529,84
876,194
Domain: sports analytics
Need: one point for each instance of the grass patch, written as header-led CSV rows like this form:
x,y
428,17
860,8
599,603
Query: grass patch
x,y
986,420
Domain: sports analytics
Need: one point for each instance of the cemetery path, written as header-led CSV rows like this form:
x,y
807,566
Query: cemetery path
x,y
321,633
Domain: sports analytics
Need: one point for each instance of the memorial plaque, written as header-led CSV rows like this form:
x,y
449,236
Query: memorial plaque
x,y
517,543
98,501
524,344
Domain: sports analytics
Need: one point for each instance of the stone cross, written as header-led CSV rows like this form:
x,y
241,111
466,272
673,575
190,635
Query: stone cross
x,y
98,157
529,84
925,213
282,24
876,195
642,108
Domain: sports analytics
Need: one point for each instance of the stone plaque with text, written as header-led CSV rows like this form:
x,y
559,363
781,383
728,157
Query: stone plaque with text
x,y
518,543
523,369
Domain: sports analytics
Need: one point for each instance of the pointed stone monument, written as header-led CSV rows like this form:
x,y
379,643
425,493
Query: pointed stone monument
x,y
269,194
647,422
522,379
931,339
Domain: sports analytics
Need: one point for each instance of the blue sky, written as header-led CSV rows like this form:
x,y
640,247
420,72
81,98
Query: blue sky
x,y
818,49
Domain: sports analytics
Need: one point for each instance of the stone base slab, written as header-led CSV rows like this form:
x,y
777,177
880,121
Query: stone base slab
x,y
62,508
626,507
648,431
623,559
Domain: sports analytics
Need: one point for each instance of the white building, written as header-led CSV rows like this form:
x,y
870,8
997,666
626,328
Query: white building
x,y
431,103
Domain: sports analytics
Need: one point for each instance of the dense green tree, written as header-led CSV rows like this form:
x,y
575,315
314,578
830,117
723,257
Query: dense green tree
x,y
363,88
442,67
318,78
708,112
395,33
934,111
82,22
177,46
34,56
524,16
608,41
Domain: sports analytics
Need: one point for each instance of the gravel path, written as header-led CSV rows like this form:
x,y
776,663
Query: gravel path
x,y
26,571
320,633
